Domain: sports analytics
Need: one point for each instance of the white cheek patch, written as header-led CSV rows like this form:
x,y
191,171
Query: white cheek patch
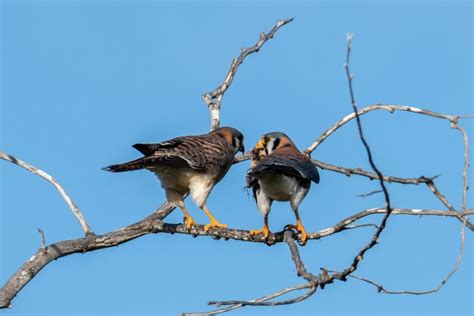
x,y
269,147
237,144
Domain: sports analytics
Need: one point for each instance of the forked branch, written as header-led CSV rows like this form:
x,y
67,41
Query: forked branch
x,y
154,223
213,99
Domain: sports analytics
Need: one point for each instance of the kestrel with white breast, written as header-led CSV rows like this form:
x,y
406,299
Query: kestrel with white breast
x,y
280,172
189,165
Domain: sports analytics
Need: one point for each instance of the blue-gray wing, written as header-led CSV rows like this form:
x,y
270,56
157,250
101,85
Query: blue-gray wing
x,y
292,164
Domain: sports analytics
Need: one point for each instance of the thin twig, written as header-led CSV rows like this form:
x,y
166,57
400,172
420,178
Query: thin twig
x,y
382,289
74,209
388,107
300,298
364,195
453,119
360,255
371,175
42,238
466,161
431,185
261,299
362,225
213,99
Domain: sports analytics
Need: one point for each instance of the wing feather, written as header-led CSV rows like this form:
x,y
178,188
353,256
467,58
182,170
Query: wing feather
x,y
150,149
292,164
196,152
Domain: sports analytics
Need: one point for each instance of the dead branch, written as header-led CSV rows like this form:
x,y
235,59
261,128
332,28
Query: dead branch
x,y
324,278
371,175
364,195
313,282
382,289
239,304
74,209
43,239
360,255
388,107
213,99
295,256
261,302
455,125
154,223
82,245
453,119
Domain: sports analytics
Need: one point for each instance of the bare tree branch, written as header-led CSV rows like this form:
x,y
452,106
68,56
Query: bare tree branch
x,y
244,303
43,239
466,161
371,175
359,257
321,280
364,195
154,224
260,302
74,209
295,256
213,99
64,248
388,107
431,185
453,119
382,289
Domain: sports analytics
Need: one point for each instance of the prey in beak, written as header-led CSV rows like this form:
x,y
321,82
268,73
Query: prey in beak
x,y
259,150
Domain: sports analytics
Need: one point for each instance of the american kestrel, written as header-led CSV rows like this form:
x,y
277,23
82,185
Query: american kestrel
x,y
280,172
189,165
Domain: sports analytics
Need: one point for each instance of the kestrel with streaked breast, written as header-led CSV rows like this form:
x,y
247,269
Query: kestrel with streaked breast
x,y
280,172
189,165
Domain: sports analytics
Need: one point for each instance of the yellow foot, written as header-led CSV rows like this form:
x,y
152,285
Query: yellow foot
x,y
302,233
215,224
265,231
190,222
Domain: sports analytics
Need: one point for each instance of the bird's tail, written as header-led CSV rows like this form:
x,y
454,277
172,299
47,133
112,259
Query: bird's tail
x,y
127,166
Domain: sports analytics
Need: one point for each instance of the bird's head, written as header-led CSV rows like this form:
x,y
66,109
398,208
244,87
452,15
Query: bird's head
x,y
232,137
271,142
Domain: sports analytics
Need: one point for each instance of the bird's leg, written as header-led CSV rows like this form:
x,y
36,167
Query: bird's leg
x,y
188,220
300,228
265,230
214,222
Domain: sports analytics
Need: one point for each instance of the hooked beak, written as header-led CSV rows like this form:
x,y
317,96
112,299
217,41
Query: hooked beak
x,y
242,148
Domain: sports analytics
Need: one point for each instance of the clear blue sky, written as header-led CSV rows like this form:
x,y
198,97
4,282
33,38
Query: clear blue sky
x,y
81,81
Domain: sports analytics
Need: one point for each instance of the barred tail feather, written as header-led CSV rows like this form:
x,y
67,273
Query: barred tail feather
x,y
127,166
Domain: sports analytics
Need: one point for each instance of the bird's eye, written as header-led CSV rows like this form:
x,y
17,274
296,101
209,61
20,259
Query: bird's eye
x,y
266,140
